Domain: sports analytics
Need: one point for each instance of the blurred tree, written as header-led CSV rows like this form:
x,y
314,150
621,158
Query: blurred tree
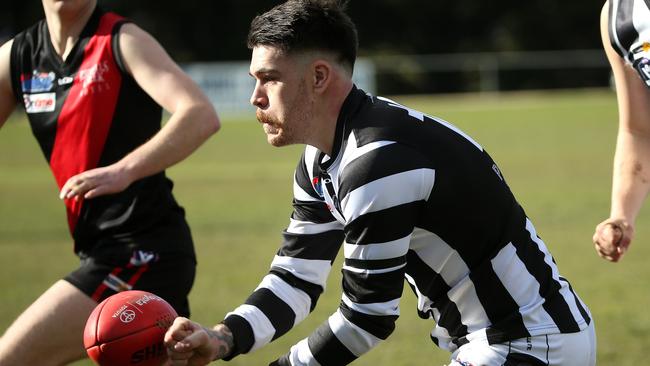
x,y
204,30
216,30
416,26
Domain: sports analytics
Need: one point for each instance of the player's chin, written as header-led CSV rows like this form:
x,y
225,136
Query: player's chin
x,y
277,140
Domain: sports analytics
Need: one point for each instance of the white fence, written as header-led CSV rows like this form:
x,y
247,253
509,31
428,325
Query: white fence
x,y
489,65
229,86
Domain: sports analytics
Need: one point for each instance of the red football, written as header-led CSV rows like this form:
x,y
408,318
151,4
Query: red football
x,y
128,329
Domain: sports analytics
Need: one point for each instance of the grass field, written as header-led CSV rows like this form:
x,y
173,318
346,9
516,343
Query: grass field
x,y
555,150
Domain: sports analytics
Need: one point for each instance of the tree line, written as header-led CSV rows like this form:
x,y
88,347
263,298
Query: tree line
x,y
204,30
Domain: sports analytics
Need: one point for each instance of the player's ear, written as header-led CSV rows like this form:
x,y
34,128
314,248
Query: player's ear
x,y
321,75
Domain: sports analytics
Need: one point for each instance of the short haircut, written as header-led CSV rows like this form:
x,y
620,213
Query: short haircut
x,y
307,25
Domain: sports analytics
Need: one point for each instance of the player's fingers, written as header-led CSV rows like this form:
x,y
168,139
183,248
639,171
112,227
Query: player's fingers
x,y
191,342
612,256
626,239
603,246
180,328
180,356
607,237
74,187
66,189
612,233
96,192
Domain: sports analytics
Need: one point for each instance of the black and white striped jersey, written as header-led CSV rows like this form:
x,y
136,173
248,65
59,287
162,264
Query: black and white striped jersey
x,y
629,33
410,197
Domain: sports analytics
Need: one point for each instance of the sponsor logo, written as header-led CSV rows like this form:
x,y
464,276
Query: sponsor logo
x,y
140,258
644,47
496,169
37,82
150,352
127,316
39,103
119,311
318,187
65,80
146,298
92,79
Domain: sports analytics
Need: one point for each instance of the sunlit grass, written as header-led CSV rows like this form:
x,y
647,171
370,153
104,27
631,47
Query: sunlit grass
x,y
555,150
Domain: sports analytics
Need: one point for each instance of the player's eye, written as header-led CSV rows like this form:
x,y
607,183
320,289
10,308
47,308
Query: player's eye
x,y
267,79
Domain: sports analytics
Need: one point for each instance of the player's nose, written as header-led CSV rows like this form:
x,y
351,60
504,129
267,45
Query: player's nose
x,y
258,98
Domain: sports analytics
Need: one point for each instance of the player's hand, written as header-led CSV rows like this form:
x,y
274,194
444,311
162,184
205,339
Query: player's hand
x,y
95,182
191,344
612,238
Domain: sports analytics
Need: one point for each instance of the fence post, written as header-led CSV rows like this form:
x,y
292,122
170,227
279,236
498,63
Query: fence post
x,y
488,69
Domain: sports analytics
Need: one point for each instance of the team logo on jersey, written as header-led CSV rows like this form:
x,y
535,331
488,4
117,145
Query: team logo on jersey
x,y
496,169
39,103
318,187
641,62
141,257
92,79
37,82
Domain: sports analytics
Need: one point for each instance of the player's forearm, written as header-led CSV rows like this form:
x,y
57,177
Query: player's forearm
x,y
223,341
273,309
631,177
7,100
185,131
337,341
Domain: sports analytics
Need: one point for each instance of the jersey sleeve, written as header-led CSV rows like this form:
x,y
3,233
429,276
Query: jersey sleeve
x,y
298,273
382,192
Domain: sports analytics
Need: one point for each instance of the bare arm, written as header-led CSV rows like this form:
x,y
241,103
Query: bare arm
x,y
192,120
7,100
631,172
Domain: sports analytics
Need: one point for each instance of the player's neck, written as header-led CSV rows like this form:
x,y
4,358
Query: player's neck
x,y
65,26
332,108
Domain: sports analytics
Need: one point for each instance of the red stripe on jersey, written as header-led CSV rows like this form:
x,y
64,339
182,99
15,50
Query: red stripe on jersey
x,y
87,114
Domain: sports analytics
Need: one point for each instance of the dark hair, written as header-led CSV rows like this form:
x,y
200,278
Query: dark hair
x,y
303,25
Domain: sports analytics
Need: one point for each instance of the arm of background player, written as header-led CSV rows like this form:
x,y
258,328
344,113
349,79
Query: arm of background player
x,y
7,99
631,172
381,214
192,121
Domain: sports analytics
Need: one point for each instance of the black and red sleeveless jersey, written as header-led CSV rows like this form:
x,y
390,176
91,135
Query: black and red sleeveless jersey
x,y
87,112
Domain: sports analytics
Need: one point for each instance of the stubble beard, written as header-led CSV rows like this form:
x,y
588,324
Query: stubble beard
x,y
287,130
277,133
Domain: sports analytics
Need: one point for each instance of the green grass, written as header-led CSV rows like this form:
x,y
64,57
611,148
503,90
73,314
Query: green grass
x,y
555,149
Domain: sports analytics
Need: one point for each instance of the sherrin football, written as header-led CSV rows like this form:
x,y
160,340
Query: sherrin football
x,y
128,329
